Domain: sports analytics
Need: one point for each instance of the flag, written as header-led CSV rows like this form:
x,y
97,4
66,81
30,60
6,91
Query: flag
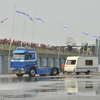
x,y
29,17
38,19
83,33
91,36
23,14
88,34
20,12
65,27
96,37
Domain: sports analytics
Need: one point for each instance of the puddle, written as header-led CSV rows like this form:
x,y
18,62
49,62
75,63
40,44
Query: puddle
x,y
48,88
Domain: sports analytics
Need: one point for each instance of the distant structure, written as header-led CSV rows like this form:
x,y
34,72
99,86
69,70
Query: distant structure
x,y
70,41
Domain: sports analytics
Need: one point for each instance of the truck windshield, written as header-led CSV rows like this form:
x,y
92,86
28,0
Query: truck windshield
x,y
71,62
18,55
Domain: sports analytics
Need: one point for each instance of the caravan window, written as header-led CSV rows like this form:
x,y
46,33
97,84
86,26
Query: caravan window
x,y
71,62
89,62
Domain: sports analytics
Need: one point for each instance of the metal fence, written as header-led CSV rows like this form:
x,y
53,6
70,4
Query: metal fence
x,y
42,50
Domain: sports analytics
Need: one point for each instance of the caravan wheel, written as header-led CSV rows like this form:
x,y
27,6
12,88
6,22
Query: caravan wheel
x,y
68,72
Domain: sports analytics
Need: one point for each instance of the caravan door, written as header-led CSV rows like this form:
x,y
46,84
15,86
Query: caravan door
x,y
70,66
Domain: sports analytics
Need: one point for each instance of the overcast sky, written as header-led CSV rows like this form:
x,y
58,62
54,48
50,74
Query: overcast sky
x,y
78,15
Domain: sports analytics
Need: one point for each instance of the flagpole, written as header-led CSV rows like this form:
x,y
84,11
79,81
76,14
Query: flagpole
x,y
83,46
60,44
87,46
33,28
91,47
81,41
23,30
12,33
89,43
32,37
98,48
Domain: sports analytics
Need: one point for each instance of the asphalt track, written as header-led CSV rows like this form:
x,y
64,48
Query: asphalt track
x,y
59,87
60,75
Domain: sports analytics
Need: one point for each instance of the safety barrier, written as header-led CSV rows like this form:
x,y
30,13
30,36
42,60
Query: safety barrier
x,y
42,50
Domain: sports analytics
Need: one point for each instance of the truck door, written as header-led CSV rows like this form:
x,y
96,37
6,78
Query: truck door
x,y
34,56
28,60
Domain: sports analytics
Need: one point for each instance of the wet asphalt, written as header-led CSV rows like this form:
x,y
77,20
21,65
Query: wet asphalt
x,y
60,87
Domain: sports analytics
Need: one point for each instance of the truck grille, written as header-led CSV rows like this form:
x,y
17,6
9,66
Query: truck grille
x,y
16,64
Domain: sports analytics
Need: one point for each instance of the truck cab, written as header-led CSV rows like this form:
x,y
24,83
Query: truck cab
x,y
25,62
22,61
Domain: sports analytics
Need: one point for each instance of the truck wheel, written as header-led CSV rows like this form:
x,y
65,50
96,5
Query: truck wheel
x,y
77,73
32,72
87,73
54,71
19,75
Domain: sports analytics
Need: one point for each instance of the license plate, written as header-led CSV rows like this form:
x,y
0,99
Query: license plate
x,y
16,72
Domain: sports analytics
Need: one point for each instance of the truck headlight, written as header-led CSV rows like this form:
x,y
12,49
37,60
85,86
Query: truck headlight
x,y
22,68
11,68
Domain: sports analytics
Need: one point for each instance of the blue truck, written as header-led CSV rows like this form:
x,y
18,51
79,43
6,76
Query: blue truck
x,y
26,62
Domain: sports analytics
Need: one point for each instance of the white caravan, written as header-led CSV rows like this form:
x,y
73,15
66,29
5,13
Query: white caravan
x,y
79,64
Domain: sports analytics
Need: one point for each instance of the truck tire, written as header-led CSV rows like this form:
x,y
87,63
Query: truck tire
x,y
87,73
32,72
54,71
19,75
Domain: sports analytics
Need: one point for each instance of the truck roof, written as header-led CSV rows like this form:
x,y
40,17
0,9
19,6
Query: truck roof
x,y
23,51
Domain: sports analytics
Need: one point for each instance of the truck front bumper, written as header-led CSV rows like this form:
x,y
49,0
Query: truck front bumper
x,y
18,72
